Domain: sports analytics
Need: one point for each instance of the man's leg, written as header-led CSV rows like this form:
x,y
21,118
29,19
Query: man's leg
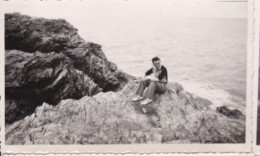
x,y
140,90
150,90
141,87
160,88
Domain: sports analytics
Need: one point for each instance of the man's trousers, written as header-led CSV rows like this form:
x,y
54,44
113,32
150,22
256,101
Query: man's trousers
x,y
148,88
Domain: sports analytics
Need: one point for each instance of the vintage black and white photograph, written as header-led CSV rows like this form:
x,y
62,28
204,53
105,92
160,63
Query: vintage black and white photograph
x,y
125,72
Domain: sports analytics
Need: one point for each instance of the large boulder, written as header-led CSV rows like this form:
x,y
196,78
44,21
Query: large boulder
x,y
34,78
47,61
30,34
111,118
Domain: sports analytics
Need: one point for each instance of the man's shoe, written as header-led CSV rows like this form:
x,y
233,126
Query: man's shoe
x,y
146,101
137,98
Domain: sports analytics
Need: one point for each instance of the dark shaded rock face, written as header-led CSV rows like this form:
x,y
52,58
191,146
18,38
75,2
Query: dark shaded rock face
x,y
46,61
111,118
235,114
37,34
32,79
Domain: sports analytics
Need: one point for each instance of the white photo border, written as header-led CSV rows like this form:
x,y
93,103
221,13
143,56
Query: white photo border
x,y
256,50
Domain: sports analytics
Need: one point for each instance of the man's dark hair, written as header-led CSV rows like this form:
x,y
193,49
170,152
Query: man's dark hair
x,y
155,59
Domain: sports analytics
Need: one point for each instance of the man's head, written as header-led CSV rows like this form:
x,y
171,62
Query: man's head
x,y
156,62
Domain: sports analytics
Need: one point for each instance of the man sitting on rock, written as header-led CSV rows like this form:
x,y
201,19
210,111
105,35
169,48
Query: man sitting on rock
x,y
155,81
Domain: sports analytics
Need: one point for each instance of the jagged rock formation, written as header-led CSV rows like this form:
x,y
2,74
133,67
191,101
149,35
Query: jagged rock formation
x,y
29,34
111,118
46,61
32,78
236,114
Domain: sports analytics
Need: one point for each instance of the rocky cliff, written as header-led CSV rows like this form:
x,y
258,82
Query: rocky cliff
x,y
46,61
111,118
34,78
63,90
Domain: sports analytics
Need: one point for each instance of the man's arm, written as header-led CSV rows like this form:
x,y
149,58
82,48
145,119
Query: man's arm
x,y
163,77
163,81
147,74
150,71
152,78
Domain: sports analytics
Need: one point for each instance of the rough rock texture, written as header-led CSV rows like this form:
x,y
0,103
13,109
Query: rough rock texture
x,y
46,61
236,114
111,118
37,34
32,79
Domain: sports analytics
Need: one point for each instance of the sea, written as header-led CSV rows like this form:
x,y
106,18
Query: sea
x,y
207,56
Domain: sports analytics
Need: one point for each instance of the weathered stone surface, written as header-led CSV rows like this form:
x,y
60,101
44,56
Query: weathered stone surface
x,y
34,78
37,34
111,118
46,61
236,114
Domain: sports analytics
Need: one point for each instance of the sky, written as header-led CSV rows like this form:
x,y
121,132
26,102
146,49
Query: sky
x,y
81,13
128,8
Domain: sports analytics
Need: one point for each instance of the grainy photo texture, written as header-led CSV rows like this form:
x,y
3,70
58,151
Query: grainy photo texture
x,y
125,72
